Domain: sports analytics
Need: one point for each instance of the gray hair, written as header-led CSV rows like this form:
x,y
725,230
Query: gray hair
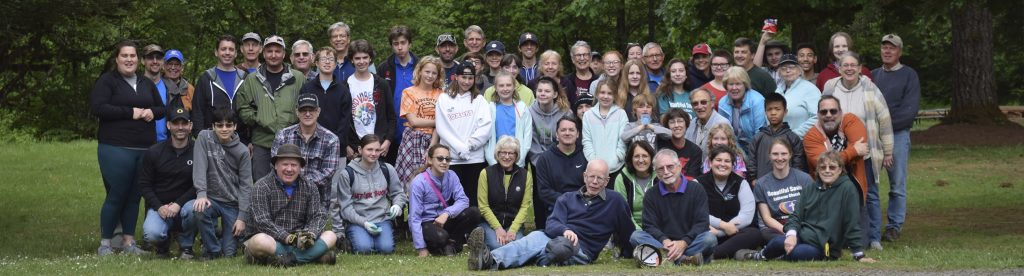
x,y
506,143
666,152
852,54
579,43
649,46
473,29
302,42
339,25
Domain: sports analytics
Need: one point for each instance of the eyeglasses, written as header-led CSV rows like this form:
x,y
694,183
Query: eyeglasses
x,y
654,55
307,111
667,168
833,111
597,178
719,65
699,103
828,167
223,125
443,159
507,153
301,54
789,67
850,65
580,55
612,62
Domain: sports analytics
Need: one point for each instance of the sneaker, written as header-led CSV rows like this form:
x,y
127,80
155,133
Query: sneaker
x,y
891,235
748,255
695,260
187,254
105,250
286,260
647,256
876,246
479,256
133,249
328,258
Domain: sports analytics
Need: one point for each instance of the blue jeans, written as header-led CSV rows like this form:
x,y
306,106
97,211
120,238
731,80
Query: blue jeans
x,y
364,243
155,228
225,243
491,238
704,244
873,231
898,179
801,252
532,248
118,166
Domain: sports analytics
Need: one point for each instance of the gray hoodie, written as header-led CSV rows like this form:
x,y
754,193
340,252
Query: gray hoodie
x,y
545,125
367,198
223,172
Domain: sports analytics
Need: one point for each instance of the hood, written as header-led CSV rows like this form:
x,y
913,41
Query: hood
x,y
767,130
358,168
535,109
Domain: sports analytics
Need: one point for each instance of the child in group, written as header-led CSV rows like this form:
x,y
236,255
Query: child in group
x,y
775,110
511,118
222,175
464,124
722,135
601,129
632,82
418,108
369,196
551,105
439,213
646,127
672,92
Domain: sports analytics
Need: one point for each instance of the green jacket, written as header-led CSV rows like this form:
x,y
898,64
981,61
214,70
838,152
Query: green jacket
x,y
267,110
828,216
625,184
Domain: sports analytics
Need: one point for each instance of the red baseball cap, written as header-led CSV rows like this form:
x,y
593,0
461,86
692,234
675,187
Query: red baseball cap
x,y
701,48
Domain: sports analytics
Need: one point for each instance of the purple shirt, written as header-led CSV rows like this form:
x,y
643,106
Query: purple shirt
x,y
424,204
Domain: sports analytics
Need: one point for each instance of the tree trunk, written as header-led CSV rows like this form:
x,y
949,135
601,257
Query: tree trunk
x,y
651,19
621,30
974,95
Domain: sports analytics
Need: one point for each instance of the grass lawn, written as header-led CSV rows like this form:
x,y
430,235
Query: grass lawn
x,y
965,212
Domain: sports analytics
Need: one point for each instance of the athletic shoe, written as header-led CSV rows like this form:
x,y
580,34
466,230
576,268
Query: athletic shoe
x,y
286,260
891,235
133,249
695,260
328,258
748,255
105,250
647,256
876,246
187,254
479,256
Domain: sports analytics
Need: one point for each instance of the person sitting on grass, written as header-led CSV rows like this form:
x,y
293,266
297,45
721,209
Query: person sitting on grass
x,y
368,195
581,223
777,128
222,175
777,193
506,194
287,216
675,218
826,221
439,212
730,205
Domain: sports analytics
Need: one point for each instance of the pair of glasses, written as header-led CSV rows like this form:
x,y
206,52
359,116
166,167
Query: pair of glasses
x,y
719,65
443,159
789,67
301,54
507,153
828,168
223,125
699,103
654,56
832,111
667,168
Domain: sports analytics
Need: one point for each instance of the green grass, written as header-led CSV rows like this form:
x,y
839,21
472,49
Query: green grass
x,y
961,217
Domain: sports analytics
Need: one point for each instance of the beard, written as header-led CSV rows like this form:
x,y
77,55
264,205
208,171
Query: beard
x,y
830,127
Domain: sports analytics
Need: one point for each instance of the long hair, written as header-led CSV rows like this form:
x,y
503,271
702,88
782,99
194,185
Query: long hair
x,y
554,56
416,79
831,41
631,149
111,64
560,99
666,88
730,137
431,151
515,96
455,89
623,89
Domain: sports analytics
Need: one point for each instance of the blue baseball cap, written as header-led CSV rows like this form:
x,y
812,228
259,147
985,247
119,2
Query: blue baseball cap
x,y
174,53
494,46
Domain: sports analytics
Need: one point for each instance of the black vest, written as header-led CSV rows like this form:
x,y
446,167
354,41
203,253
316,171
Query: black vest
x,y
505,203
724,205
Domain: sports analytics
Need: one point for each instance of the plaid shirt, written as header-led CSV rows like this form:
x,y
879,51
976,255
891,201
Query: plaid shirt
x,y
322,153
274,214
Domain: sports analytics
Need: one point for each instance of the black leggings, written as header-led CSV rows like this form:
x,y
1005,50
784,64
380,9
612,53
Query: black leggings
x,y
469,176
454,231
746,238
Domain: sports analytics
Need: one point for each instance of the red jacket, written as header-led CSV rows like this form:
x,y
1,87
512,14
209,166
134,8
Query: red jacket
x,y
815,143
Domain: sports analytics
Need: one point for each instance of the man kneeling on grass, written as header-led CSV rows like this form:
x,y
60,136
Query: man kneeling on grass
x,y
581,223
288,217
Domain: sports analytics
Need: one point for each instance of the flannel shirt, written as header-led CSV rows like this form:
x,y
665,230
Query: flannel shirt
x,y
274,214
322,153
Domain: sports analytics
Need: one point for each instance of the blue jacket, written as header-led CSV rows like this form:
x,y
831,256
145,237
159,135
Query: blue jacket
x,y
752,117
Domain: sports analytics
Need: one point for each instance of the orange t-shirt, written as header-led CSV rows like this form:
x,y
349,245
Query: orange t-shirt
x,y
421,103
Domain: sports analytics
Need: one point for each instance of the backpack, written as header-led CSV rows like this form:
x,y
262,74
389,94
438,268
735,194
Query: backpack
x,y
383,168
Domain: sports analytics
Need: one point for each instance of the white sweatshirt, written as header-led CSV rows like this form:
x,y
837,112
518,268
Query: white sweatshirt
x,y
464,126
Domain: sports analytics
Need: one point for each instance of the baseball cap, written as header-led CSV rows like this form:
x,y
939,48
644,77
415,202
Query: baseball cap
x,y
528,37
178,113
274,40
596,55
289,151
494,45
152,49
460,69
585,98
251,36
788,58
174,53
445,37
701,48
894,39
308,100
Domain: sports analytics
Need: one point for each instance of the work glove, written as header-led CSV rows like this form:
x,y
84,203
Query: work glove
x,y
372,228
393,212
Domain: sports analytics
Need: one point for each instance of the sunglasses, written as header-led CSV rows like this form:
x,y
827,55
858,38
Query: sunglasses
x,y
699,103
832,111
443,159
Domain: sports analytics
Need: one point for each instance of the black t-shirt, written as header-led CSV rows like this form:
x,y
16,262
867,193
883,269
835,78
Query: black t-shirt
x,y
690,156
274,79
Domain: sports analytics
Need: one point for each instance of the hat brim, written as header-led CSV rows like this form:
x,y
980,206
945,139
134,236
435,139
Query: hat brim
x,y
302,161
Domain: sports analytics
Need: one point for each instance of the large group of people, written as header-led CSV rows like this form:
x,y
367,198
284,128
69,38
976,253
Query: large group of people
x,y
747,154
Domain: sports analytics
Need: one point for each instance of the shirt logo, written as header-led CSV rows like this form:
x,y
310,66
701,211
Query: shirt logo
x,y
578,166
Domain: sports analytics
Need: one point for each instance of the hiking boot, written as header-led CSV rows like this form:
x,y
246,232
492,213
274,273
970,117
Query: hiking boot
x,y
695,260
876,246
748,255
479,255
162,249
328,258
891,235
343,245
187,254
133,249
647,256
286,260
105,250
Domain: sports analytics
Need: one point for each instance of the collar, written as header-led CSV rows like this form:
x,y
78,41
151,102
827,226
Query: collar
x,y
682,186
896,67
282,184
603,194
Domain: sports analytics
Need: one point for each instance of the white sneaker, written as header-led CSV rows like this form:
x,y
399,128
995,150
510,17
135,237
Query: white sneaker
x,y
876,246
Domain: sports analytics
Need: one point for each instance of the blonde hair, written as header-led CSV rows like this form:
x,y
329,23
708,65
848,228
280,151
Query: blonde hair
x,y
736,73
502,74
506,143
643,99
432,60
551,54
729,135
623,84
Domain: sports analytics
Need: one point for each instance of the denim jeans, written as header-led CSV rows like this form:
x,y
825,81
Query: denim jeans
x,y
704,244
212,243
364,243
801,252
898,179
873,231
155,228
532,248
491,237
